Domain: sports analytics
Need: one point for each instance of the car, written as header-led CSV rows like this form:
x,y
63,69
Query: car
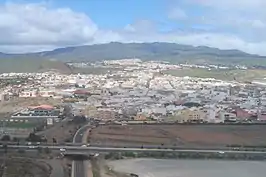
x,y
62,150
84,145
221,152
33,147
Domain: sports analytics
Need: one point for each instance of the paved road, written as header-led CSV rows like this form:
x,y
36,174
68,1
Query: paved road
x,y
79,166
79,134
87,150
79,169
58,169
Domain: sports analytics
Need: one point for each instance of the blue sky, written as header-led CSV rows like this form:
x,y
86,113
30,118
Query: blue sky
x,y
118,13
33,25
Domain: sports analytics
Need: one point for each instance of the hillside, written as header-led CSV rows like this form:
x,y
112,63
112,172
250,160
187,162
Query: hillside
x,y
152,51
32,65
147,51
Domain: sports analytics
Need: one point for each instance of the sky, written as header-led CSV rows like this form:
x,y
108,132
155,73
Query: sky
x,y
33,25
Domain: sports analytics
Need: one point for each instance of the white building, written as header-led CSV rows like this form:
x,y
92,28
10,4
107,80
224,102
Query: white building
x,y
28,93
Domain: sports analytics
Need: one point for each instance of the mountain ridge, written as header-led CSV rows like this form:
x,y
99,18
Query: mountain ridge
x,y
147,51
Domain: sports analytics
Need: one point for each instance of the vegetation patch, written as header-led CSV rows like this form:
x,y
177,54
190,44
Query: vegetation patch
x,y
221,74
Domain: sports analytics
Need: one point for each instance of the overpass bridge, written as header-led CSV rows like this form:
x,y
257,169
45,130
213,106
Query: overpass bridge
x,y
95,149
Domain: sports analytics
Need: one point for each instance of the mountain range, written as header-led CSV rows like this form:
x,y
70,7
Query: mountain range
x,y
146,51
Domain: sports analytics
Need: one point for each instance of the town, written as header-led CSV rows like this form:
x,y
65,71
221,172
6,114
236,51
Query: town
x,y
140,91
132,103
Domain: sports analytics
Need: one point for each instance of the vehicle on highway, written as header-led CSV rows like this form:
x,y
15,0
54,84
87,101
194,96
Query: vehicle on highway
x,y
85,145
62,150
33,147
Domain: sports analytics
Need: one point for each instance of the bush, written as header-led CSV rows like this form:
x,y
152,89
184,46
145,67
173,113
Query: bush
x,y
6,138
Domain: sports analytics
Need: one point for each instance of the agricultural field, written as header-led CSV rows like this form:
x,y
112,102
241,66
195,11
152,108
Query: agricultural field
x,y
178,135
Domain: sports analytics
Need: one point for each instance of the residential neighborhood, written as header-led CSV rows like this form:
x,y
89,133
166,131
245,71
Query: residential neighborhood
x,y
141,91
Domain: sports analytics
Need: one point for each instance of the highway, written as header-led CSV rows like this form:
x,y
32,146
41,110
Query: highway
x,y
89,149
78,167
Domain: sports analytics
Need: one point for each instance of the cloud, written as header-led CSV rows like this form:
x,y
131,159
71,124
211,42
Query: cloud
x,y
177,14
244,14
241,22
37,27
140,26
246,5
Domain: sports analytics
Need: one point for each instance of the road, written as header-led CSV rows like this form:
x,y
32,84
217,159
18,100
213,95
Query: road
x,y
78,166
89,149
57,166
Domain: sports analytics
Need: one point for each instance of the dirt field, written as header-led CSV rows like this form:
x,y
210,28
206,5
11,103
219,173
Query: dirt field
x,y
179,135
62,132
15,104
26,168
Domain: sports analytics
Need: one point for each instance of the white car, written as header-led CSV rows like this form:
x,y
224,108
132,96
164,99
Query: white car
x,y
62,150
84,145
33,147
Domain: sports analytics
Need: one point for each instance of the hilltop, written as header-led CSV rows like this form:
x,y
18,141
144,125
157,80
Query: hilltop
x,y
171,52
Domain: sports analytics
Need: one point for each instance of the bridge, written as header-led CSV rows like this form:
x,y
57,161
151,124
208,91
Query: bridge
x,y
76,150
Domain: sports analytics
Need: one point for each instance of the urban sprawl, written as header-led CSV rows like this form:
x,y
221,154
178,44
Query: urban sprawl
x,y
132,90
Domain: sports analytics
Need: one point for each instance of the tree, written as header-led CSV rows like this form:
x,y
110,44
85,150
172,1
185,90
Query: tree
x,y
15,139
34,138
6,138
54,140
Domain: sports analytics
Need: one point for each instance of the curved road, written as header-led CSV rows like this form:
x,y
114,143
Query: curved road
x,y
78,167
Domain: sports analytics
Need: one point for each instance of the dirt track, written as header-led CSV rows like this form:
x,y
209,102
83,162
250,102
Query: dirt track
x,y
179,135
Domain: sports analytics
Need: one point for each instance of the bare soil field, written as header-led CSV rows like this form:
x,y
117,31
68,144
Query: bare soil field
x,y
16,104
178,135
26,168
62,132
